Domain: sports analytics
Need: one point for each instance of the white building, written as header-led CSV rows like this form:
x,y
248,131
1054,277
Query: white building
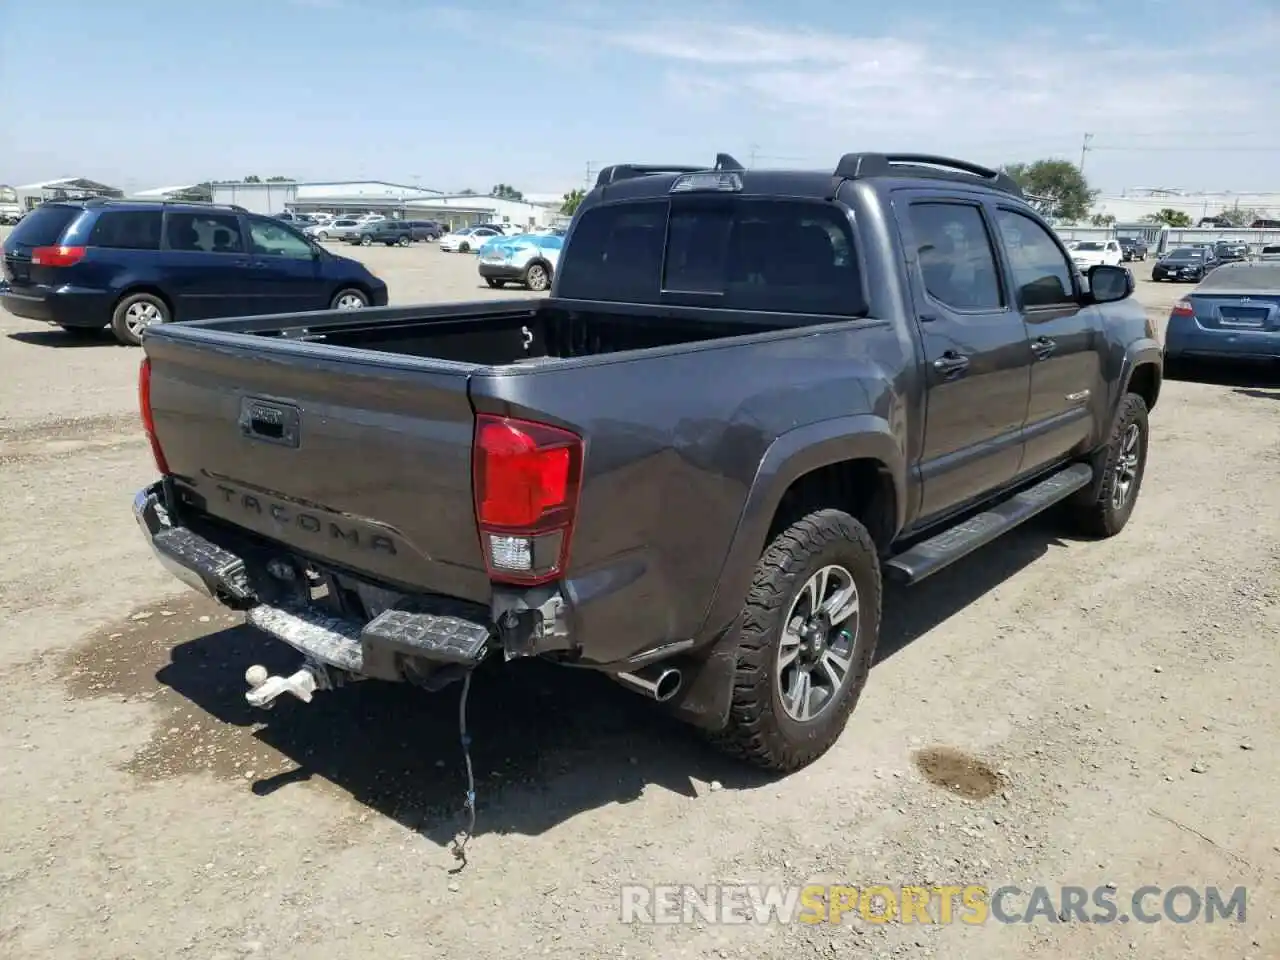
x,y
1139,202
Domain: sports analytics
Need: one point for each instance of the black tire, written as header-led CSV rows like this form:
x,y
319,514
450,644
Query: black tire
x,y
126,325
366,241
760,730
1102,509
349,294
537,276
321,235
495,284
464,247
432,238
402,242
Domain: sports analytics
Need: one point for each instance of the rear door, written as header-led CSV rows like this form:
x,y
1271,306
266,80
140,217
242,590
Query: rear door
x,y
206,265
975,346
287,273
1064,338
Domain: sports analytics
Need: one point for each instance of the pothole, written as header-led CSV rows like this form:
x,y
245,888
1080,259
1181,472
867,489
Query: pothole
x,y
957,772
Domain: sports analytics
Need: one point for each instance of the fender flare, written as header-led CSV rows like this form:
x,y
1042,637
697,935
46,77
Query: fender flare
x,y
1143,352
792,455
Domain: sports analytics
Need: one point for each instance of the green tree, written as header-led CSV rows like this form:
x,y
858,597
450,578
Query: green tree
x,y
467,193
1240,216
504,191
251,179
281,180
1056,188
1103,220
572,201
1169,216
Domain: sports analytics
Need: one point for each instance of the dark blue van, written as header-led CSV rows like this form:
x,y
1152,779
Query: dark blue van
x,y
82,265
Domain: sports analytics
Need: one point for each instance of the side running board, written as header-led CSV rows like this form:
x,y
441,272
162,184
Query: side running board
x,y
932,555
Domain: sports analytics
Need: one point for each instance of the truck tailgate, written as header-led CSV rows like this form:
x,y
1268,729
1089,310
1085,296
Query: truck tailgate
x,y
359,459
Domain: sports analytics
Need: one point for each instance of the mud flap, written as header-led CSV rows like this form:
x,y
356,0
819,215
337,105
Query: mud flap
x,y
707,692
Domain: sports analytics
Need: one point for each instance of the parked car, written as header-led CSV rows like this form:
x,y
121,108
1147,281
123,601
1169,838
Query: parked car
x,y
529,261
1132,248
1233,314
425,230
82,265
1228,252
1184,263
388,232
299,220
334,229
1090,253
706,517
1270,253
468,239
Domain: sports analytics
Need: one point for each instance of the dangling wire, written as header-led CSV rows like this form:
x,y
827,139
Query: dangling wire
x,y
460,841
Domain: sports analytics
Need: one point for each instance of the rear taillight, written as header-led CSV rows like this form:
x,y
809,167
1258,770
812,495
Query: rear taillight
x,y
1183,308
525,479
148,421
57,256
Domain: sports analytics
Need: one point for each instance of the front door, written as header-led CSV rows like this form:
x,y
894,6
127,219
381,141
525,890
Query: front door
x,y
975,347
286,270
1065,340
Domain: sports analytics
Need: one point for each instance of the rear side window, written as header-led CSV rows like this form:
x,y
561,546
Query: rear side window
x,y
44,226
205,233
127,230
786,256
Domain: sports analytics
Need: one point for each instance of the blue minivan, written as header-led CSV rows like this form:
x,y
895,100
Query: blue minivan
x,y
82,265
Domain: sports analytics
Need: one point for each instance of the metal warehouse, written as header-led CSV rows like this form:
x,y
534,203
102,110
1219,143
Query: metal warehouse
x,y
389,199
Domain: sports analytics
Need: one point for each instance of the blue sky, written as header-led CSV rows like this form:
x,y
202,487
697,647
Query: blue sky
x,y
143,93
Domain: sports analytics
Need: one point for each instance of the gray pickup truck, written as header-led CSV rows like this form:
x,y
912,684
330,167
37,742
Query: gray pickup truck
x,y
750,395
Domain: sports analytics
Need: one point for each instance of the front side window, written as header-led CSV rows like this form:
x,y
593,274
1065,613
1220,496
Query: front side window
x,y
275,240
1040,271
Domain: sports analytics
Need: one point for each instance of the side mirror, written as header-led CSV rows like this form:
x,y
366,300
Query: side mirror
x,y
1108,284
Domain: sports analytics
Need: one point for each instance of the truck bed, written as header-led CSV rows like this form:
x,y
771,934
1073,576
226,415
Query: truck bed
x,y
348,438
503,332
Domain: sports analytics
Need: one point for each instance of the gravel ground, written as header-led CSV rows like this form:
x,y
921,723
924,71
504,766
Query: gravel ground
x,y
1093,712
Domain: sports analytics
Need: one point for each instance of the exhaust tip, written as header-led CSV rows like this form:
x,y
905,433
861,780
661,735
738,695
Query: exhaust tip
x,y
668,685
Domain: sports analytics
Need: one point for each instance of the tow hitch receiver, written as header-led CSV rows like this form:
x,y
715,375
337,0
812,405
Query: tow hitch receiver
x,y
264,688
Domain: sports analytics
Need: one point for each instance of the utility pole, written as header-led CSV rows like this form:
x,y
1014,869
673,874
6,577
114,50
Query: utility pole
x,y
751,163
1084,149
590,173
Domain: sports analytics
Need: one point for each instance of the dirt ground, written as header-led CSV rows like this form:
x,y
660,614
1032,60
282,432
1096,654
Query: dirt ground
x,y
1094,712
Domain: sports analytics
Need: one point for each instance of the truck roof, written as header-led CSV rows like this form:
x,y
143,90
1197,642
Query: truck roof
x,y
634,181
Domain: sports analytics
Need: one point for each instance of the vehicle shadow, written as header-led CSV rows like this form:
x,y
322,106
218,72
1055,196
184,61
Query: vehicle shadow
x,y
911,612
1226,374
64,338
547,742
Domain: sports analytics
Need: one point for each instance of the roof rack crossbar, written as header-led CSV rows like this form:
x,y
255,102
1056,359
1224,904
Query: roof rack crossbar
x,y
858,166
626,171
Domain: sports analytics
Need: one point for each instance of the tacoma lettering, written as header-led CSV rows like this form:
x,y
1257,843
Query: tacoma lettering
x,y
310,523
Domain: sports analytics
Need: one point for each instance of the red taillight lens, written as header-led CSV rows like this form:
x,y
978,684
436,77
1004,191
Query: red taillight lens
x,y
1183,308
56,256
148,422
526,478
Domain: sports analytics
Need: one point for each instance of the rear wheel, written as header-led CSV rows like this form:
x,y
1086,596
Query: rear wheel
x,y
134,313
402,242
809,631
349,298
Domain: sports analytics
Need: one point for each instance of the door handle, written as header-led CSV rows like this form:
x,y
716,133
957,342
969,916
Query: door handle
x,y
951,364
1042,347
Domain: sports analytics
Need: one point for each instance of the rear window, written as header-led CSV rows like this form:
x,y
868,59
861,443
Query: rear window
x,y
44,226
127,229
1252,277
786,256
